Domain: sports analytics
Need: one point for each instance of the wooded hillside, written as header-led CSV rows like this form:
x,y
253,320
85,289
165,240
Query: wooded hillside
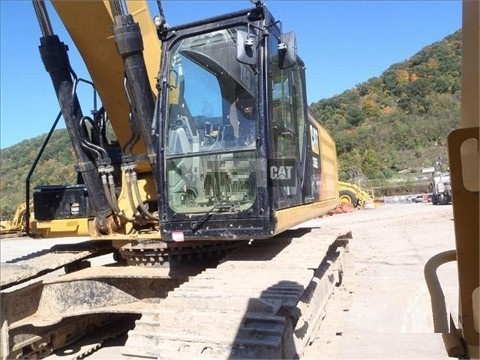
x,y
401,119
57,166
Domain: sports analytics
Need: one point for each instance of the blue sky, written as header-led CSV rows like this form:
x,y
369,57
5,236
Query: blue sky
x,y
343,43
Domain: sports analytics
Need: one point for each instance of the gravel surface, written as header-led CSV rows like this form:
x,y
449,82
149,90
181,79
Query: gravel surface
x,y
384,310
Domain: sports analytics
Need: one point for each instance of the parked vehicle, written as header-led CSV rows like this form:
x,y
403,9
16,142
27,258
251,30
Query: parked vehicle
x,y
353,194
440,184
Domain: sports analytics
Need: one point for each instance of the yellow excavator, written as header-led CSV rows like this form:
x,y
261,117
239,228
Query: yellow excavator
x,y
17,224
190,158
214,152
214,146
353,194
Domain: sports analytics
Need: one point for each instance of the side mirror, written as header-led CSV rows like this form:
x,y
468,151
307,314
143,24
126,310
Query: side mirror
x,y
246,47
287,50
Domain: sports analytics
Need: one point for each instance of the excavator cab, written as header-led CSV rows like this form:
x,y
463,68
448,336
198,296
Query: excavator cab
x,y
236,130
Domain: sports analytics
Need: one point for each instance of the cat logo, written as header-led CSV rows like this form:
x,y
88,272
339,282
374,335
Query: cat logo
x,y
314,138
282,172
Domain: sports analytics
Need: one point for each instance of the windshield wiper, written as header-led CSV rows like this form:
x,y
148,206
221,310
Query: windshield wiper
x,y
195,225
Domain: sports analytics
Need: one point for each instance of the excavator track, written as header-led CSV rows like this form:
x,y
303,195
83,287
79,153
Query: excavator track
x,y
11,234
154,253
22,269
263,301
90,344
45,317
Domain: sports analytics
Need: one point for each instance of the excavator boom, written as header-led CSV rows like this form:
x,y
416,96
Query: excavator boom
x,y
90,25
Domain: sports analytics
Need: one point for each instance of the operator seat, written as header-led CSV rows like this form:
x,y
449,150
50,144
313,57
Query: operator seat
x,y
241,121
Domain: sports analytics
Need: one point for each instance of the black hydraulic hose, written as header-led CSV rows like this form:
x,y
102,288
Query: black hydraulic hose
x,y
32,169
86,146
128,39
107,191
141,205
113,196
98,135
133,139
101,153
128,180
100,119
55,58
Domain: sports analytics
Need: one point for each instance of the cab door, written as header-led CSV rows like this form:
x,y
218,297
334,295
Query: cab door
x,y
288,170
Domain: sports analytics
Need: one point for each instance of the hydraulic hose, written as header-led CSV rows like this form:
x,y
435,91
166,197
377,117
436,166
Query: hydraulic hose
x,y
141,205
128,180
86,145
113,196
107,191
112,199
133,139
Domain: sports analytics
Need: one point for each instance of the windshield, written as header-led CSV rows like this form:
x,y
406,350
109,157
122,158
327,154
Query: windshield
x,y
211,121
211,95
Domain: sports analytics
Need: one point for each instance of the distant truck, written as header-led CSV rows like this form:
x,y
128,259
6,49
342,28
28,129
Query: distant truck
x,y
440,185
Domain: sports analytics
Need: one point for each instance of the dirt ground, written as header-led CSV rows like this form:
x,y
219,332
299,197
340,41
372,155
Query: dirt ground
x,y
383,311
